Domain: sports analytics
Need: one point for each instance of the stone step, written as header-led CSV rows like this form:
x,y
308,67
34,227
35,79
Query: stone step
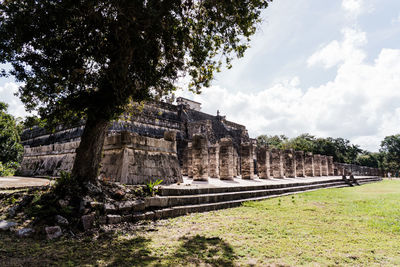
x,y
186,209
167,191
171,201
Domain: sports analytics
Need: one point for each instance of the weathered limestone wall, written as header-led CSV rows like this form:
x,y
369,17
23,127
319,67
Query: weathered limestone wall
x,y
324,166
317,165
247,162
276,163
128,158
213,159
263,163
289,163
299,157
330,166
227,168
190,160
309,164
200,158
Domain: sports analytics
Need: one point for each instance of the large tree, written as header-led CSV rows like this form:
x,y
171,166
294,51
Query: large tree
x,y
88,59
390,149
10,147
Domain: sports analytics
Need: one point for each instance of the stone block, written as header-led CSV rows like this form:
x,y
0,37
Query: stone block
x,y
309,164
299,159
53,232
200,158
263,163
317,165
247,163
289,163
276,163
226,159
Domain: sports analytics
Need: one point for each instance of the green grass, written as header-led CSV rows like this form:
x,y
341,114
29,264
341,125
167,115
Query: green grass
x,y
348,226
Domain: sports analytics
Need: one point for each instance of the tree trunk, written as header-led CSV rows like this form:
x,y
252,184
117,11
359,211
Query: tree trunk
x,y
88,154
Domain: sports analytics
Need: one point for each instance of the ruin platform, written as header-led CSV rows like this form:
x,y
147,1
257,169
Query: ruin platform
x,y
15,182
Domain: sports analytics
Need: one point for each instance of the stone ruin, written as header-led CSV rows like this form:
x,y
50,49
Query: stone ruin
x,y
165,141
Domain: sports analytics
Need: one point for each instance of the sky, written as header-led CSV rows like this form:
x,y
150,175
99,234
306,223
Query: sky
x,y
328,68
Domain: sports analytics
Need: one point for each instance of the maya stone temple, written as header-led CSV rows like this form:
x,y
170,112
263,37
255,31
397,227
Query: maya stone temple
x,y
167,141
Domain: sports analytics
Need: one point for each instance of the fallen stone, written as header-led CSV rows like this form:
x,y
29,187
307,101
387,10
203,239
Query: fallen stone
x,y
88,221
109,208
113,219
138,205
12,211
63,203
125,206
94,189
118,194
61,220
156,201
5,225
96,205
25,232
53,232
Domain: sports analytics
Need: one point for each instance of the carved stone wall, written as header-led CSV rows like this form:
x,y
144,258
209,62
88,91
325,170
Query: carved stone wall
x,y
247,162
276,163
213,159
227,166
299,157
289,163
263,163
309,164
128,158
317,165
200,158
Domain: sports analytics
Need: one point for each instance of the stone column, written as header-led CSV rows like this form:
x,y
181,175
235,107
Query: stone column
x,y
299,157
309,164
324,165
330,166
200,158
246,151
185,166
226,159
317,165
190,160
289,163
236,163
276,163
263,163
213,160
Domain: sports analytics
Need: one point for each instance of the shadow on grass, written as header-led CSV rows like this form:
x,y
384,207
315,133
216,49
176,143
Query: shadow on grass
x,y
111,251
210,250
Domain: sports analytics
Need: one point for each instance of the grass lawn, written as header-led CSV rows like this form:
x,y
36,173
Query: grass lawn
x,y
348,226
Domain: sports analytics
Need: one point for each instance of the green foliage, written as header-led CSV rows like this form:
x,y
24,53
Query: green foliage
x,y
9,168
10,147
80,57
390,149
151,187
90,59
273,141
341,149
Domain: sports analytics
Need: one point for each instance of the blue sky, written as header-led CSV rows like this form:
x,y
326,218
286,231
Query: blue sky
x,y
329,68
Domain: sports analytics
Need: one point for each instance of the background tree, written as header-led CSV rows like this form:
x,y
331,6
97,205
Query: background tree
x,y
390,148
273,141
10,147
89,59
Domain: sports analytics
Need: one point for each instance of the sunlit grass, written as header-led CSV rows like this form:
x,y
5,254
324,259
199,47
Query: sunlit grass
x,y
348,226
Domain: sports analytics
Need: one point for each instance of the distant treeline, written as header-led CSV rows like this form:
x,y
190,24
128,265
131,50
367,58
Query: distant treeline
x,y
342,150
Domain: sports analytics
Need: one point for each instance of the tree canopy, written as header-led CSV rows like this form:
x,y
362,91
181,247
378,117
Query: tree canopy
x,y
341,149
89,59
10,147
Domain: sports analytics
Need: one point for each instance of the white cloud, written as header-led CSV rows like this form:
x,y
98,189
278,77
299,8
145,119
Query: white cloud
x,y
362,103
353,6
15,106
337,52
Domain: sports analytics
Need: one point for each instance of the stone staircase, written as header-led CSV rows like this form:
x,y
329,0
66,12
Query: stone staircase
x,y
173,202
